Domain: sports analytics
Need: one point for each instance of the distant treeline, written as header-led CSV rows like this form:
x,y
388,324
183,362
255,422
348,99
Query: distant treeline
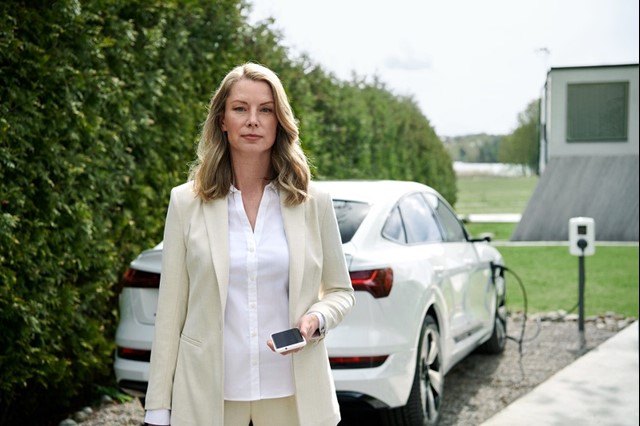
x,y
519,147
479,148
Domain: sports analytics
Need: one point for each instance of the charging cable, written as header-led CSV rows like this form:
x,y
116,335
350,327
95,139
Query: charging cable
x,y
501,269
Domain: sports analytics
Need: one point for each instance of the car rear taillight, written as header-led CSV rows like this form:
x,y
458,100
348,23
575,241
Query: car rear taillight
x,y
134,354
343,362
136,278
378,282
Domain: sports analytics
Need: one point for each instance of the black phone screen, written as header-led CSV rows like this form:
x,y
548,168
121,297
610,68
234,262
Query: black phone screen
x,y
287,338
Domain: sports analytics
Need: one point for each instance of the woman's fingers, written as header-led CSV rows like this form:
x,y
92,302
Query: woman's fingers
x,y
308,325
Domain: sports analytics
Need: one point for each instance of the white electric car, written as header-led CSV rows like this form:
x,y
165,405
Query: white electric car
x,y
426,296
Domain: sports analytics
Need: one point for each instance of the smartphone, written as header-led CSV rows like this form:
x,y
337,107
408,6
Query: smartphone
x,y
288,340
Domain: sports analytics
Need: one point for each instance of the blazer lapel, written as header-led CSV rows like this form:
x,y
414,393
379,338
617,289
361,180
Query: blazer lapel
x,y
293,218
216,218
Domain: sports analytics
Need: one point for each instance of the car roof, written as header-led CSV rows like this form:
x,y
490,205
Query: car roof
x,y
370,191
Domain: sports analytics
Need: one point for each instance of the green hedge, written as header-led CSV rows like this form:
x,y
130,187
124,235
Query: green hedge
x,y
100,107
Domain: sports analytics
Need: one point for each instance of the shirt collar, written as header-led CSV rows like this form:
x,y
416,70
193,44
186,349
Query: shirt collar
x,y
270,186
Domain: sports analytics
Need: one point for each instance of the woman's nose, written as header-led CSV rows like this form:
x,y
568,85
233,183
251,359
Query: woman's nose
x,y
253,118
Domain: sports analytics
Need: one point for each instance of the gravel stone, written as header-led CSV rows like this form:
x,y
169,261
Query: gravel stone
x,y
112,414
480,385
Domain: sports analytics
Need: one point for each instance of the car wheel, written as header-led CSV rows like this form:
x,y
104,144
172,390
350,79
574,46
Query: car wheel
x,y
498,340
425,399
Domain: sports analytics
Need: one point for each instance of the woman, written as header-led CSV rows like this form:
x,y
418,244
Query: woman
x,y
250,248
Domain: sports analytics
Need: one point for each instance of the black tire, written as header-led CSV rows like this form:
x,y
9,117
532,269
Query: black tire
x,y
425,399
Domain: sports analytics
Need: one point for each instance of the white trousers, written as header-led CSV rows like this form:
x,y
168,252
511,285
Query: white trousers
x,y
264,412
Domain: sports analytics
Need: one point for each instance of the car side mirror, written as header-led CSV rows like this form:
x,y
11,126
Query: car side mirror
x,y
486,238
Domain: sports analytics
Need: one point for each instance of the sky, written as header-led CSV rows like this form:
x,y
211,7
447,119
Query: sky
x,y
471,65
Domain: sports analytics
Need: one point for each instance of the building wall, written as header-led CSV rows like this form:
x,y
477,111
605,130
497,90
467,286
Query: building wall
x,y
554,112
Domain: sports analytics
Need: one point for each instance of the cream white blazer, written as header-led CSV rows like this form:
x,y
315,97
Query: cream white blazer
x,y
186,373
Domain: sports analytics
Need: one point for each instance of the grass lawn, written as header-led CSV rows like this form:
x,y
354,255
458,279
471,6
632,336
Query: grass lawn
x,y
487,194
550,277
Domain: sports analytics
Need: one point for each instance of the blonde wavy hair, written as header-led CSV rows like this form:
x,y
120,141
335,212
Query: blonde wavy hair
x,y
212,171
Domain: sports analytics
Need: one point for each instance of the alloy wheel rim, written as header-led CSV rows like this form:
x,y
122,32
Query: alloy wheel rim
x,y
430,376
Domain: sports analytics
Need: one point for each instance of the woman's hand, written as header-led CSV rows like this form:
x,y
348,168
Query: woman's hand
x,y
308,325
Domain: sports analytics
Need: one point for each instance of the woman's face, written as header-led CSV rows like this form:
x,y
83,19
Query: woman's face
x,y
250,117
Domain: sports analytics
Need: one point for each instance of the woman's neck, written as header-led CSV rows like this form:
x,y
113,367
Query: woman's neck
x,y
252,174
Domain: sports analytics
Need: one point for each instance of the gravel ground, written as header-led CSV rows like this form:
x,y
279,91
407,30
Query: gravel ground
x,y
480,385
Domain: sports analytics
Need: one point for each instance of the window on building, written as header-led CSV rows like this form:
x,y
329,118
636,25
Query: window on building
x,y
597,112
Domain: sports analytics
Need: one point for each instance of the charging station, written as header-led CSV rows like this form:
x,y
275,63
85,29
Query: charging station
x,y
582,236
582,242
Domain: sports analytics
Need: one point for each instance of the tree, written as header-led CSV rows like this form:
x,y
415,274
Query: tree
x,y
522,146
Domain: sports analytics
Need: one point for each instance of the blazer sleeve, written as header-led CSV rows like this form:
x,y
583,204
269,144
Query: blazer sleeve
x,y
172,306
336,292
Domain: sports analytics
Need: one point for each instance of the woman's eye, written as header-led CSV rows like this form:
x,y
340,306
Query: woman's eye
x,y
239,109
267,110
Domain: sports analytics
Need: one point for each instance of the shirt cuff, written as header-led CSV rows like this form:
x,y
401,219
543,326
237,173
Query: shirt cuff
x,y
161,416
321,322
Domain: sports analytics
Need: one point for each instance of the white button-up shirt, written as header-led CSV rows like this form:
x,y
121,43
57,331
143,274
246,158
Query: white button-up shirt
x,y
257,302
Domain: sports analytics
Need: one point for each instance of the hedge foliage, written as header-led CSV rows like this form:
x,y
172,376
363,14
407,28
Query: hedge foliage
x,y
100,107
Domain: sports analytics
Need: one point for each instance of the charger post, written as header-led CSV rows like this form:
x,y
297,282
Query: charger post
x,y
582,242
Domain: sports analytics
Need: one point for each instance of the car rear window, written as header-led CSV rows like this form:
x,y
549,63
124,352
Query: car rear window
x,y
350,215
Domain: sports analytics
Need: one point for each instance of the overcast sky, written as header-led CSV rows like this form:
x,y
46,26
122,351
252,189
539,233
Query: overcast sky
x,y
472,65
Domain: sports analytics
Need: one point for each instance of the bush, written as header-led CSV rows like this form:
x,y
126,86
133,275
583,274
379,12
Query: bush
x,y
99,114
